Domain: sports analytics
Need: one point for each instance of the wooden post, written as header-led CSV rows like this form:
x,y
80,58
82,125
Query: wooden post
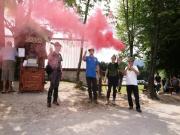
x,y
82,42
2,33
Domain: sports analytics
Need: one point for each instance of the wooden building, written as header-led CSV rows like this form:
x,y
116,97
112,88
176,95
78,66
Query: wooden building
x,y
30,42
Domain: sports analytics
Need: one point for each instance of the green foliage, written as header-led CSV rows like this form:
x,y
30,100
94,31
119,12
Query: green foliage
x,y
129,26
168,13
169,37
80,5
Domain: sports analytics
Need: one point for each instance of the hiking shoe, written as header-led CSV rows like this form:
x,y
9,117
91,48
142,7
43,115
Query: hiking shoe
x,y
90,101
107,102
56,103
139,110
113,102
49,105
95,101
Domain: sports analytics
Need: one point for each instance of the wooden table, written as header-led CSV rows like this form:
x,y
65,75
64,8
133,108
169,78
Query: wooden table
x,y
31,79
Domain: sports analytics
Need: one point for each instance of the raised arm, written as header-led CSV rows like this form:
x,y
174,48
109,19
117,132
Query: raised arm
x,y
84,56
125,71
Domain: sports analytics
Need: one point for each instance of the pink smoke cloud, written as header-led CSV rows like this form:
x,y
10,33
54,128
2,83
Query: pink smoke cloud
x,y
58,16
64,19
98,33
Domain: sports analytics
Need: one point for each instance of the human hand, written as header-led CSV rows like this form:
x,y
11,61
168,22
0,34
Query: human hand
x,y
105,79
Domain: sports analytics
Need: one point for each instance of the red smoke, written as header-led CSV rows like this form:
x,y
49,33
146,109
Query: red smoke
x,y
58,16
63,19
97,32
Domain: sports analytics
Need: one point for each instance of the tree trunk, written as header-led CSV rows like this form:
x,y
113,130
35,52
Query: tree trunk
x,y
129,25
154,47
2,32
80,61
82,43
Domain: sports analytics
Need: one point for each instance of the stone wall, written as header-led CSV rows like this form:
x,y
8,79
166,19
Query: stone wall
x,y
70,75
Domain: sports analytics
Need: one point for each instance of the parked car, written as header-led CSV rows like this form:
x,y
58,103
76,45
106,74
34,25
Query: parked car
x,y
142,82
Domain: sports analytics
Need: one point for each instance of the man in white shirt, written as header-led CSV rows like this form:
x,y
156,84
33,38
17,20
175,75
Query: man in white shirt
x,y
131,73
8,54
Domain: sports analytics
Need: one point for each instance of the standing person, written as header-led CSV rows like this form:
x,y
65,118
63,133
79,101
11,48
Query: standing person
x,y
175,83
121,66
131,72
8,54
163,84
92,65
112,75
54,60
157,80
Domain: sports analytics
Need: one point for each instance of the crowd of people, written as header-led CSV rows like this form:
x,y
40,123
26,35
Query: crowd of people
x,y
114,75
116,69
171,84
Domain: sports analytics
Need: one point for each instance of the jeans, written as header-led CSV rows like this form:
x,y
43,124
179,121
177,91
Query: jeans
x,y
112,82
133,89
120,82
54,77
92,87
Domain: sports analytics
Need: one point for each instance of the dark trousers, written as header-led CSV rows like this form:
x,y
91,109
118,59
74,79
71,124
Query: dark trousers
x,y
112,82
54,84
133,89
120,82
92,87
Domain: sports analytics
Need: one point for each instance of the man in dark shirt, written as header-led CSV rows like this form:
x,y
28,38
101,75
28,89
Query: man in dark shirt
x,y
112,75
54,60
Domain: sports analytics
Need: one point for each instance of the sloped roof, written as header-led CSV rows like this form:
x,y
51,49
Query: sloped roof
x,y
29,26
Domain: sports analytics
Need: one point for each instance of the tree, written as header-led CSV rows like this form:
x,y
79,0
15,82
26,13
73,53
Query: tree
x,y
157,28
163,37
2,32
127,27
88,5
169,37
82,42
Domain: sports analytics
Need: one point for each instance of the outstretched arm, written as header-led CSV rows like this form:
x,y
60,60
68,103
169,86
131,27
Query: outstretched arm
x,y
84,56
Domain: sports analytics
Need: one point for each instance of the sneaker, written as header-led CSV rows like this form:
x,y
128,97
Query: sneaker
x,y
90,101
113,102
139,110
49,105
56,103
107,102
3,92
95,101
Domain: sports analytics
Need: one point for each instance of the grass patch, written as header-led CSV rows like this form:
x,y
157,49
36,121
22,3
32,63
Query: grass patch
x,y
123,89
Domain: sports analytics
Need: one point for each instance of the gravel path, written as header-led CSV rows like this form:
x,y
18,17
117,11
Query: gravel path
x,y
27,114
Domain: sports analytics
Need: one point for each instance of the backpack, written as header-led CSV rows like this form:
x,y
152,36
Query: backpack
x,y
48,69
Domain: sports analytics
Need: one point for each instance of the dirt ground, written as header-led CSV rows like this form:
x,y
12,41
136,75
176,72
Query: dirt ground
x,y
27,114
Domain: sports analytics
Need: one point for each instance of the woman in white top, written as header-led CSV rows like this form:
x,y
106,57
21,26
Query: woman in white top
x,y
131,72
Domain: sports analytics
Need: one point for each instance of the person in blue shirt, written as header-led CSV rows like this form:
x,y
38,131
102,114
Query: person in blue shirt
x,y
92,70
